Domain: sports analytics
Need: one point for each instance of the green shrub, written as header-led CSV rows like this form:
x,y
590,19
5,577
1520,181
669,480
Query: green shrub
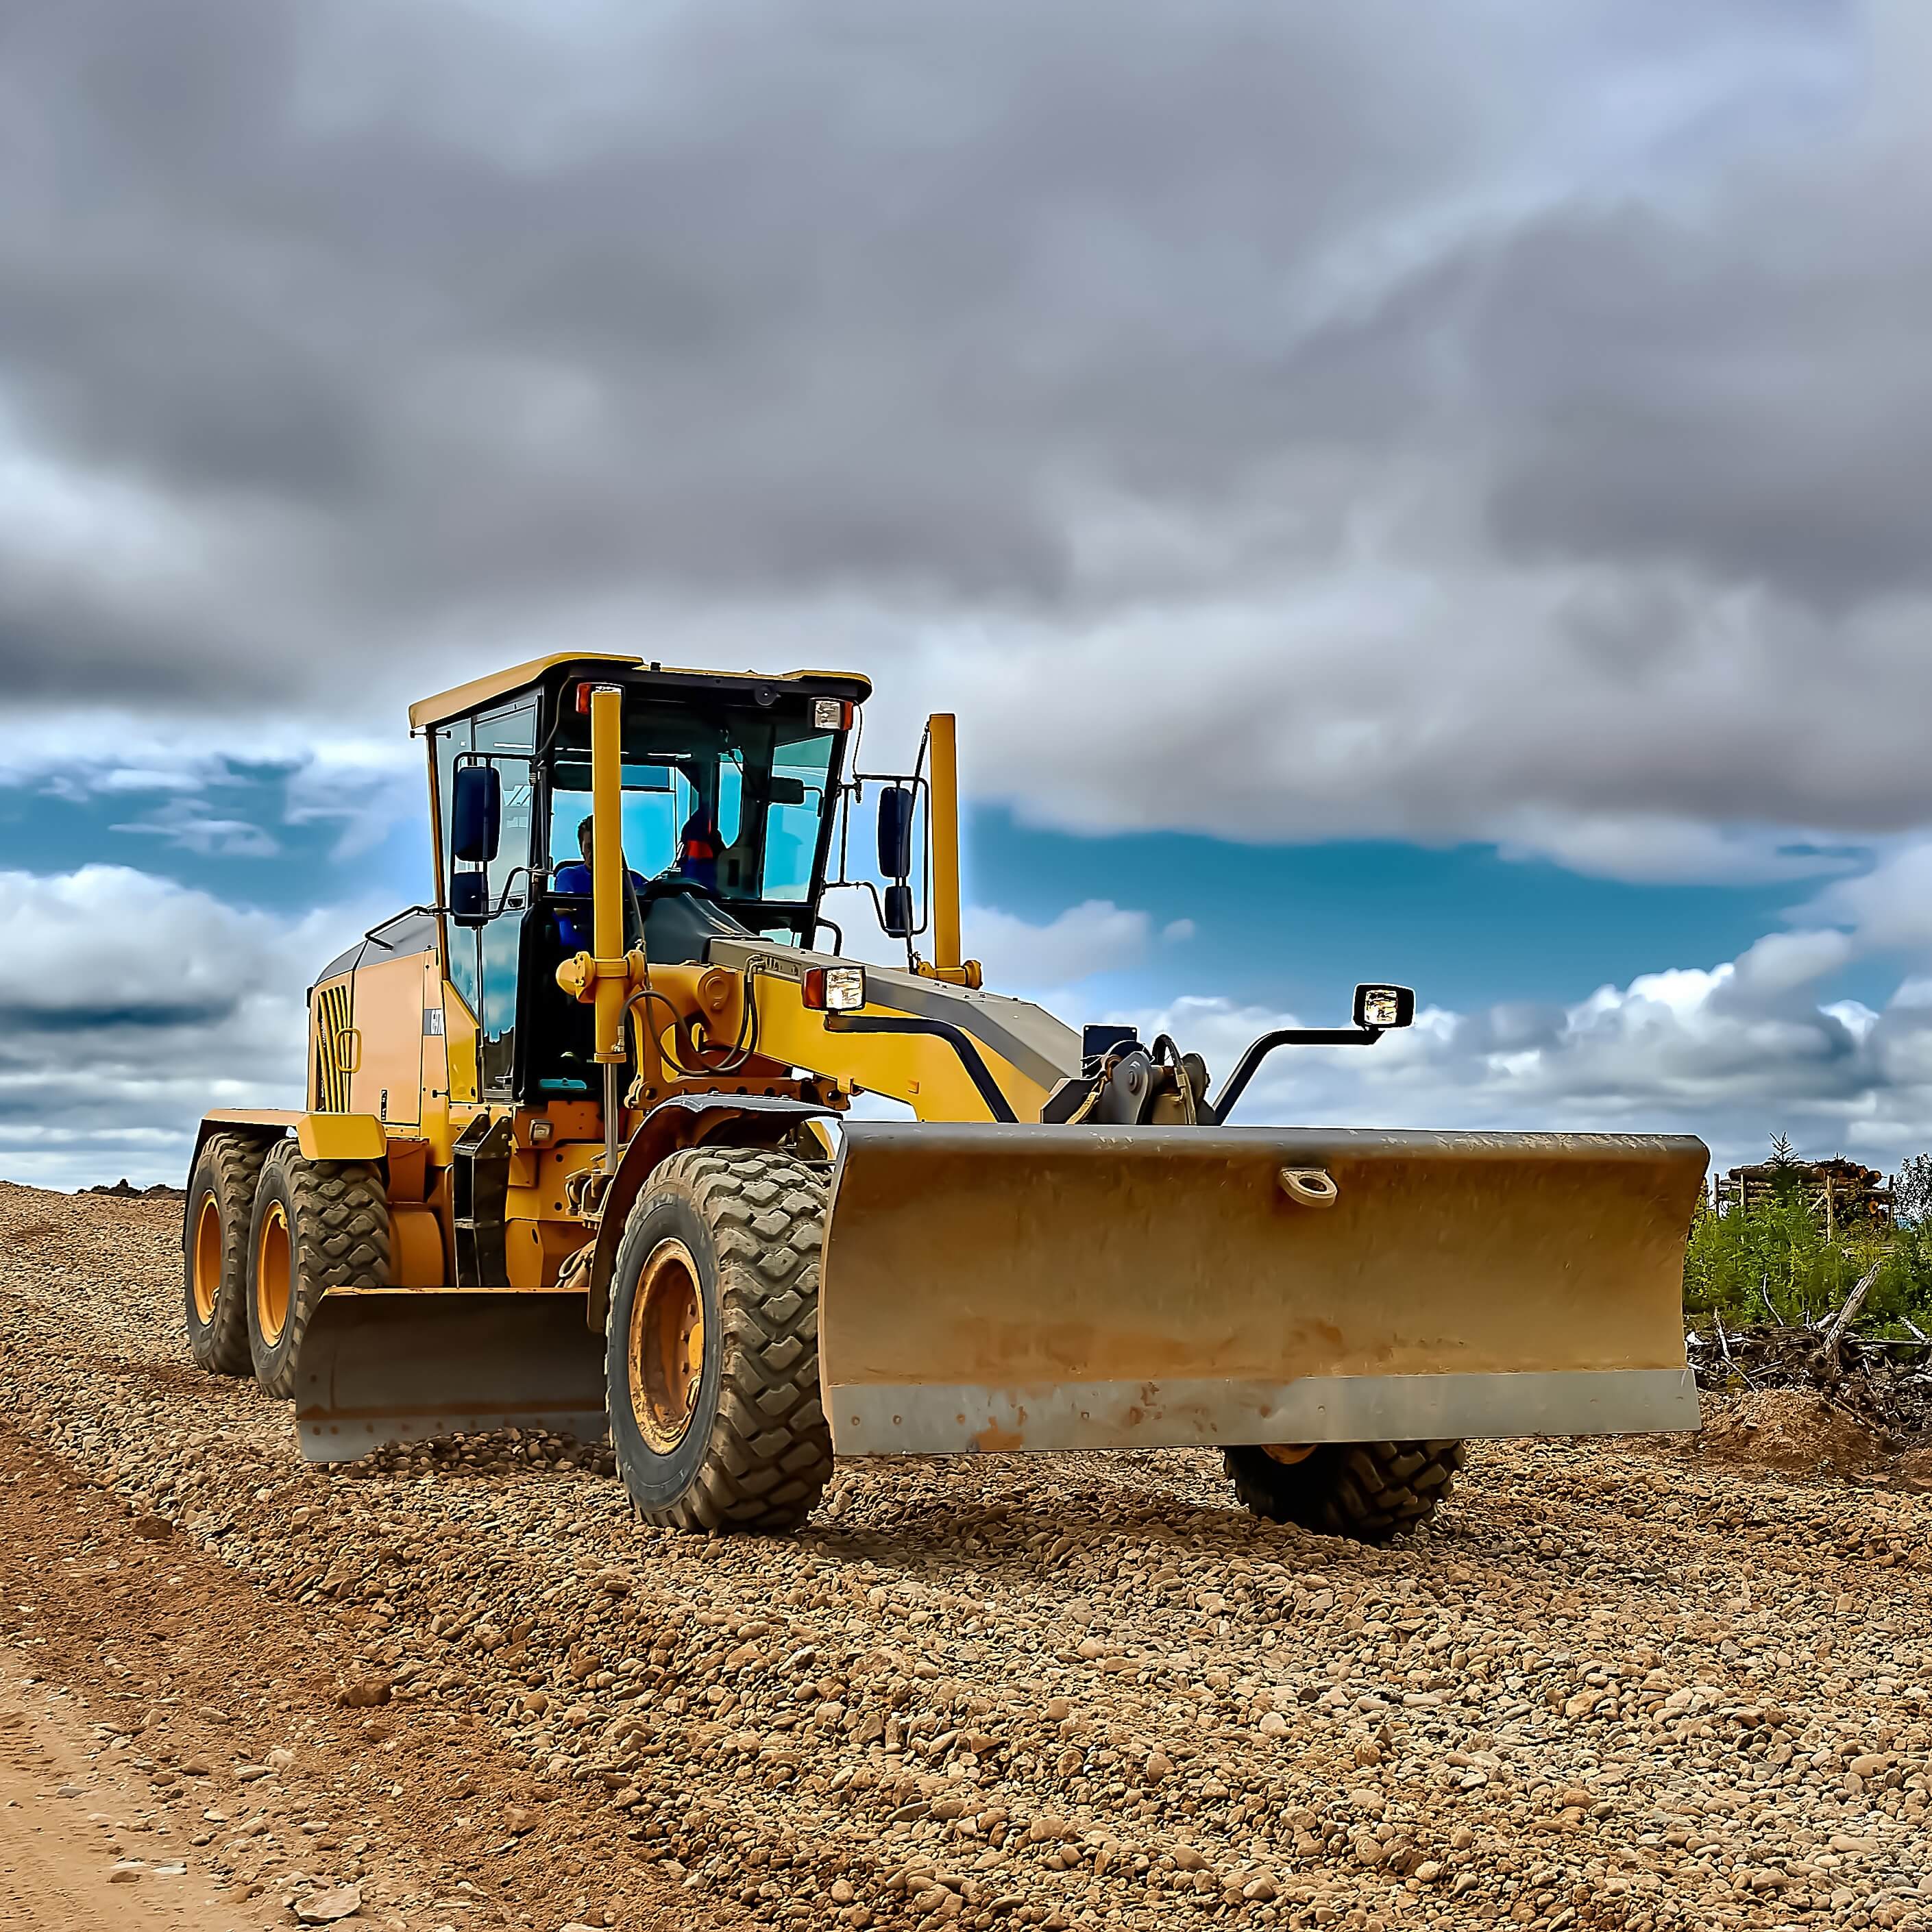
x,y
1780,1264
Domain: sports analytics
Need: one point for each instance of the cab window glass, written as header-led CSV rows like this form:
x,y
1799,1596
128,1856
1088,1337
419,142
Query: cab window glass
x,y
736,800
508,738
451,741
794,815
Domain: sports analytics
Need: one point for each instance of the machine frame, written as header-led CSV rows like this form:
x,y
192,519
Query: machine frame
x,y
1068,1247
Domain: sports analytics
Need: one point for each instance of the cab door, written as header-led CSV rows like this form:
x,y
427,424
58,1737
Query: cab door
x,y
488,977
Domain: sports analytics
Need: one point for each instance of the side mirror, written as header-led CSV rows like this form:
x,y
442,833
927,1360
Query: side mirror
x,y
787,791
476,814
469,898
897,918
1383,1007
896,804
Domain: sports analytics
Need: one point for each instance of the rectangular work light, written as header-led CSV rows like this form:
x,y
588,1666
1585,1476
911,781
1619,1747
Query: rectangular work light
x,y
1385,1007
834,989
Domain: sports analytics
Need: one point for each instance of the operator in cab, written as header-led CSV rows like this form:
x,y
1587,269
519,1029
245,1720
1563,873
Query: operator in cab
x,y
578,876
697,849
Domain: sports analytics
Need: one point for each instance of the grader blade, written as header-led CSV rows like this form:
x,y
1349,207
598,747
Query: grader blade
x,y
400,1365
998,1287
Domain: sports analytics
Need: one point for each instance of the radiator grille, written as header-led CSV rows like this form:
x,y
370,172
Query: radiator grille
x,y
332,1022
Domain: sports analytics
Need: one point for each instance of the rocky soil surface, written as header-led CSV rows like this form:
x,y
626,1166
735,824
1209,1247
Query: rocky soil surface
x,y
1629,1686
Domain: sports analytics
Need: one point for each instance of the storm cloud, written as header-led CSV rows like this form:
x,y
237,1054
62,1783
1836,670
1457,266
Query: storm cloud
x,y
1486,421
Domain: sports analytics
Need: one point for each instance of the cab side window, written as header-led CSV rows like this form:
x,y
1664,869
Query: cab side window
x,y
508,738
452,740
483,961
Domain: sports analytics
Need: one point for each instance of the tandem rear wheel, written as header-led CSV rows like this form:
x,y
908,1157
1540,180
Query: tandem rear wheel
x,y
214,1251
316,1224
1370,1491
712,1348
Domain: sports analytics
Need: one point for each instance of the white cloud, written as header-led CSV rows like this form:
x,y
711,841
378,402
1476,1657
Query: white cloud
x,y
1095,936
1431,693
188,824
1667,849
1731,1053
365,786
129,1005
1889,907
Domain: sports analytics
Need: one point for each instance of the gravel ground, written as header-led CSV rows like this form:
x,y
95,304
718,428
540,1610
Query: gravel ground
x,y
1625,1687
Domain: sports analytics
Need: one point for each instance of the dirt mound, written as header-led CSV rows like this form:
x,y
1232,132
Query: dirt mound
x,y
1885,1382
1793,1429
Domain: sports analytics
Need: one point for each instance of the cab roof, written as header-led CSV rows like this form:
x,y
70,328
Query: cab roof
x,y
461,700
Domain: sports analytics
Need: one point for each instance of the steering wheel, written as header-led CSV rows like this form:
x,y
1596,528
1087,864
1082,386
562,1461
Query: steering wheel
x,y
674,886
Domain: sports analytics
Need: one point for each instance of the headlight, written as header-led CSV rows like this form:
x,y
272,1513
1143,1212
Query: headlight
x,y
831,714
834,989
1382,1007
844,988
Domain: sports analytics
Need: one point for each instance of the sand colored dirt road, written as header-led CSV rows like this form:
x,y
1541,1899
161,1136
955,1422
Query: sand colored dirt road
x,y
58,1838
149,1699
1629,1686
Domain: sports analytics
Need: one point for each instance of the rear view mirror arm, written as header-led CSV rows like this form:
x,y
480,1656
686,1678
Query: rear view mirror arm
x,y
1250,1061
491,912
858,885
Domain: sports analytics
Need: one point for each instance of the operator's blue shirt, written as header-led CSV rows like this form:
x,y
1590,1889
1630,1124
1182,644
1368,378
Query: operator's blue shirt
x,y
575,877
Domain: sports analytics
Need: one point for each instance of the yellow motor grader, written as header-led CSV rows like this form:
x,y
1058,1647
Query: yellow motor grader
x,y
576,1156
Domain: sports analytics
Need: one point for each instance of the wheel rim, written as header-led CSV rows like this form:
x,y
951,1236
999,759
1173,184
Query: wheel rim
x,y
207,1260
667,1346
271,1274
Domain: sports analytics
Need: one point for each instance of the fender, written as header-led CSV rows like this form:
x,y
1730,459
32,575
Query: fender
x,y
684,1120
320,1136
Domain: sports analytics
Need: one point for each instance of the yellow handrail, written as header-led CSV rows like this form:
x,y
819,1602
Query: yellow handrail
x,y
944,812
607,870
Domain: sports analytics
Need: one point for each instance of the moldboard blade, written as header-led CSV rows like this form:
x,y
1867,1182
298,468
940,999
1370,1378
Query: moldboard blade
x,y
401,1365
988,1287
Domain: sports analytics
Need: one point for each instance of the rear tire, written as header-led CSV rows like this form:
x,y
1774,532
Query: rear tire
x,y
1370,1491
214,1251
317,1225
712,1349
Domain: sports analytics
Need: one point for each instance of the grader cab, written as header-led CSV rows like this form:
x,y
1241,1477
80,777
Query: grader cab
x,y
576,1154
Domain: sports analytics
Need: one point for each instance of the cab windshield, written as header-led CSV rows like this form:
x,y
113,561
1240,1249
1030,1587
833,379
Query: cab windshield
x,y
734,801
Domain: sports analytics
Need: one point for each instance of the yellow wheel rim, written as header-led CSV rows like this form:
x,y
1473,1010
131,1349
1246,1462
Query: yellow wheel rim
x,y
207,1260
666,1352
271,1274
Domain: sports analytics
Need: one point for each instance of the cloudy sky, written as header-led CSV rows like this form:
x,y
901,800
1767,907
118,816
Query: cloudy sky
x,y
1429,491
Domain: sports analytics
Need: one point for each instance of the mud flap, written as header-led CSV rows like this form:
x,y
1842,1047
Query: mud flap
x,y
399,1365
995,1288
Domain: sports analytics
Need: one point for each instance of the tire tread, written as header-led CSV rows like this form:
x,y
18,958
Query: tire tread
x,y
232,1165
770,1452
339,1237
1369,1491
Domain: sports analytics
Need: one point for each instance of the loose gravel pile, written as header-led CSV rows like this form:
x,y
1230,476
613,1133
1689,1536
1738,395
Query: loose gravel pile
x,y
1628,1687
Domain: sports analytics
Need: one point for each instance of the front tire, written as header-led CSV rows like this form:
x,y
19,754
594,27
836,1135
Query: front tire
x,y
214,1251
1370,1491
711,1351
317,1225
